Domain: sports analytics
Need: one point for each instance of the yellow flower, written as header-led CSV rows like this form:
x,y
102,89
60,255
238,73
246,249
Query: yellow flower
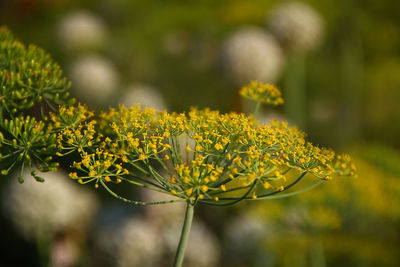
x,y
218,146
264,93
204,188
266,185
189,192
73,175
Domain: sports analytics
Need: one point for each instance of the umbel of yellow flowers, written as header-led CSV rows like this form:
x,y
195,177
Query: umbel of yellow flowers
x,y
227,158
226,154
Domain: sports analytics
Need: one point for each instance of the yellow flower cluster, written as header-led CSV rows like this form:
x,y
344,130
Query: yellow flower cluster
x,y
99,167
204,155
70,116
134,119
344,166
77,139
75,132
264,93
195,179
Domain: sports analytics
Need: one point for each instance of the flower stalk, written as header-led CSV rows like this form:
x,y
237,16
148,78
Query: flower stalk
x,y
257,110
187,223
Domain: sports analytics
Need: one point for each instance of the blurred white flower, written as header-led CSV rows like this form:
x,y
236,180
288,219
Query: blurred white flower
x,y
39,209
132,241
81,30
145,95
94,79
252,54
297,25
139,244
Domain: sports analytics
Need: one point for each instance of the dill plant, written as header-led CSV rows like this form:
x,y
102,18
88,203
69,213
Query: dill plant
x,y
226,158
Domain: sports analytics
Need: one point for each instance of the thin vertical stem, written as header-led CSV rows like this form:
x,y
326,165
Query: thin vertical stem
x,y
180,253
257,110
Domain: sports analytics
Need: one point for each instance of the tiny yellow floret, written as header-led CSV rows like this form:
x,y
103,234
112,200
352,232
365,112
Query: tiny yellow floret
x,y
204,188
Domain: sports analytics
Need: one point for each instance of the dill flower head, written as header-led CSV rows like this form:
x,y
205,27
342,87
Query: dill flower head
x,y
28,77
81,30
250,53
297,25
205,156
264,93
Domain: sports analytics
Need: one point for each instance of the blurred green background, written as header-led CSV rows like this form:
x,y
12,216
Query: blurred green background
x,y
348,98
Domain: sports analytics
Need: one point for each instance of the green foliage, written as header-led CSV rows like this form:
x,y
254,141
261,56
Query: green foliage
x,y
28,76
29,79
28,141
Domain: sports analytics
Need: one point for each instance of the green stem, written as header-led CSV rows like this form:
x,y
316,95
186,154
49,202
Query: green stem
x,y
137,202
291,194
180,253
257,110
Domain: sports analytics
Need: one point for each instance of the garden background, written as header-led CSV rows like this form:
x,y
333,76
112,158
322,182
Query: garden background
x,y
174,55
